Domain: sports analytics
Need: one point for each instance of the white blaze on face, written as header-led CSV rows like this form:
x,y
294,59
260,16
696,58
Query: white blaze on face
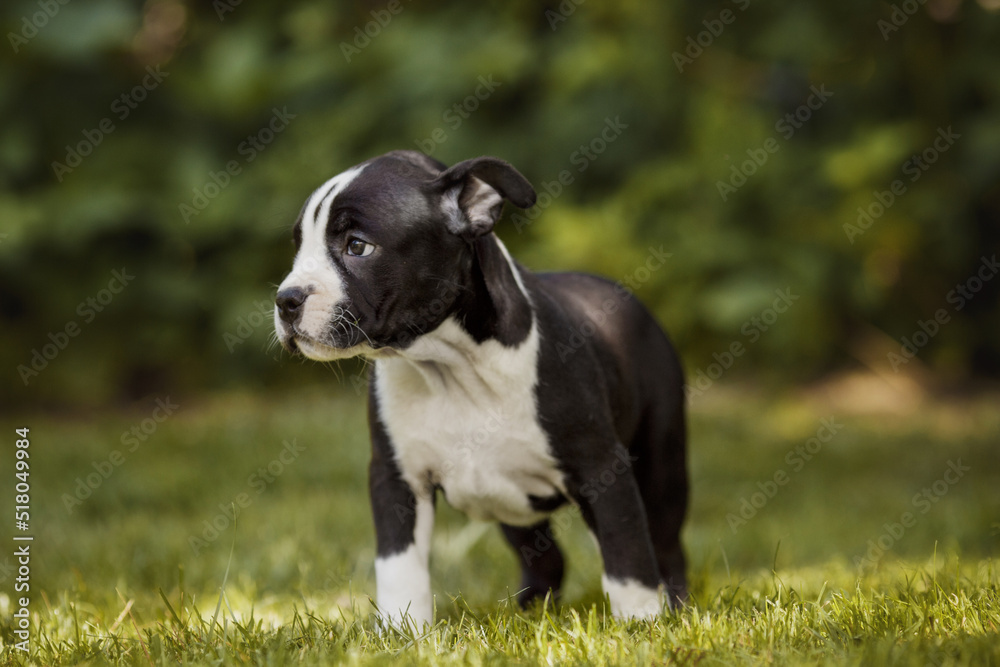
x,y
313,269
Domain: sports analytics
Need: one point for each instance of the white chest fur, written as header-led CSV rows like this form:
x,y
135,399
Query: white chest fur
x,y
461,415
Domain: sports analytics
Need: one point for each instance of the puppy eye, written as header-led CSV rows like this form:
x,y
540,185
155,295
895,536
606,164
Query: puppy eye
x,y
359,248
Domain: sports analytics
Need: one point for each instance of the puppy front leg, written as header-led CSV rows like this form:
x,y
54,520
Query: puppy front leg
x,y
613,509
403,525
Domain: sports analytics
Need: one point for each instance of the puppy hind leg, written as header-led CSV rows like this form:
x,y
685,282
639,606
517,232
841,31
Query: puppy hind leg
x,y
542,563
661,475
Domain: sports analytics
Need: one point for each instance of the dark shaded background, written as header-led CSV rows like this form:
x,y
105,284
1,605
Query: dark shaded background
x,y
556,75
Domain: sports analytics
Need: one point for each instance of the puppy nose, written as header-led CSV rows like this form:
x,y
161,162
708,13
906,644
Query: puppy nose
x,y
289,302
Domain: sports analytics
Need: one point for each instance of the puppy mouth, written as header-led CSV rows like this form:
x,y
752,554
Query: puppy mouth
x,y
297,341
314,349
310,347
290,344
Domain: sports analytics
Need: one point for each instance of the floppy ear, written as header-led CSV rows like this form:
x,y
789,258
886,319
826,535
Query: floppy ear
x,y
473,191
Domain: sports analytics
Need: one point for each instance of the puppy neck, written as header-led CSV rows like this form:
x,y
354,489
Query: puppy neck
x,y
487,338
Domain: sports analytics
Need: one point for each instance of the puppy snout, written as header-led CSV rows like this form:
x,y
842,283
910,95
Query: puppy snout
x,y
290,302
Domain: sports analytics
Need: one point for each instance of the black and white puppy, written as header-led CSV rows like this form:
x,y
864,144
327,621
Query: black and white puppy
x,y
512,392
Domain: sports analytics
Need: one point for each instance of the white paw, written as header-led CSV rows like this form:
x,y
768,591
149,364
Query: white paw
x,y
630,599
404,590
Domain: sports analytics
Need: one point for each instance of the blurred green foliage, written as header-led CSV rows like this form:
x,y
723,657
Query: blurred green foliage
x,y
694,91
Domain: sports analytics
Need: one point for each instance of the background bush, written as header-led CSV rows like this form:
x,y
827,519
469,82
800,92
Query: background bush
x,y
559,72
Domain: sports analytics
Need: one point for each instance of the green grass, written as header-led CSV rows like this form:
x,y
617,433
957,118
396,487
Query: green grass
x,y
289,582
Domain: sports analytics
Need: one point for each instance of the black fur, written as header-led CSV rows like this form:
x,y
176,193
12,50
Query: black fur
x,y
609,394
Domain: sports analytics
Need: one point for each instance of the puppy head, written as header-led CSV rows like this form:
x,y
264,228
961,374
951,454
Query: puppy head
x,y
384,251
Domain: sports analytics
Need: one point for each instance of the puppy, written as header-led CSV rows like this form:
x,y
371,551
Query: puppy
x,y
511,392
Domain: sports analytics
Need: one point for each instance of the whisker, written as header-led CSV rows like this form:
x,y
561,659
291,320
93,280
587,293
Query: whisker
x,y
358,327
